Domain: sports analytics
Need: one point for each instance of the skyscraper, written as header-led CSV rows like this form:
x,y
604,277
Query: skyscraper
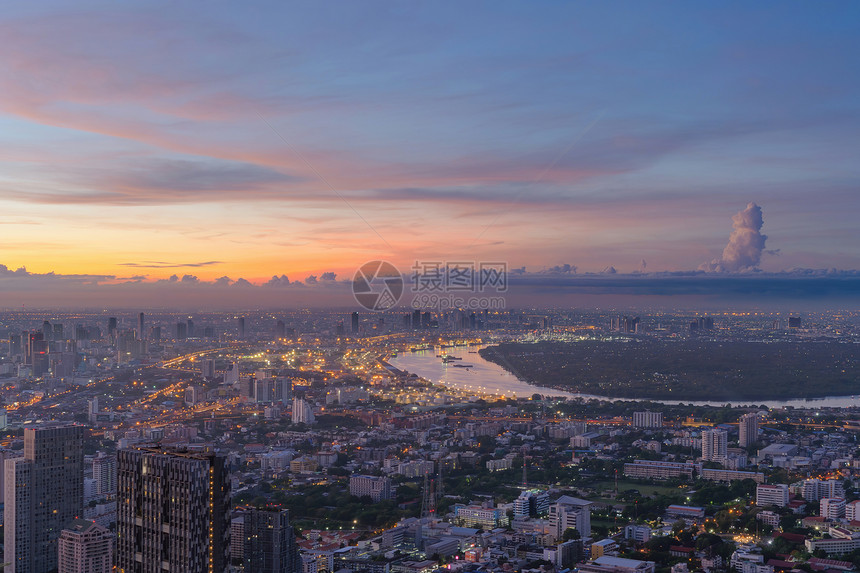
x,y
93,408
748,429
570,513
44,493
240,323
85,547
31,339
270,543
15,346
140,333
104,473
39,358
207,368
173,508
302,412
714,445
355,323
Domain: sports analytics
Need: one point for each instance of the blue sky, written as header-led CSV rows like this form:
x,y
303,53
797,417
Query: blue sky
x,y
303,137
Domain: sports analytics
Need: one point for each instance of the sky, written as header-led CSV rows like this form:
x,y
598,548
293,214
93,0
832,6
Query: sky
x,y
226,143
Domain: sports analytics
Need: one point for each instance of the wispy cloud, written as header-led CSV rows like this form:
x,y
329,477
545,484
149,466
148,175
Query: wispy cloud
x,y
168,265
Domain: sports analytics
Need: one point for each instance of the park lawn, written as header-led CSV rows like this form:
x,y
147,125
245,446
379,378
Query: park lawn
x,y
644,489
609,522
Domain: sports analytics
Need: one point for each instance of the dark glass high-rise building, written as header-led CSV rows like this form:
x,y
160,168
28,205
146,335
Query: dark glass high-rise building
x,y
270,542
140,334
39,358
173,511
45,492
32,338
15,346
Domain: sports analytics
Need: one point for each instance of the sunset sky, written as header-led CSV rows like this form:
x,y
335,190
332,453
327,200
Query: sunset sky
x,y
251,140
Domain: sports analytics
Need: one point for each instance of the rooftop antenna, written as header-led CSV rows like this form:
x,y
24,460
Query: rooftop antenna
x,y
525,468
440,487
425,500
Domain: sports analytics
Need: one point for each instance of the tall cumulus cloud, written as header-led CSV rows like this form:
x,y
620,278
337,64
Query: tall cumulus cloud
x,y
746,243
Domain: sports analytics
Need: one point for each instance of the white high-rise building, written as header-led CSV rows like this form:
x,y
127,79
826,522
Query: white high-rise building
x,y
570,512
833,507
748,429
231,375
302,412
815,489
531,503
7,455
810,490
714,445
648,419
772,494
104,473
852,510
832,488
93,408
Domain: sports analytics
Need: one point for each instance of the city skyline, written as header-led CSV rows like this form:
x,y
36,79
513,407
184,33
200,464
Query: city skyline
x,y
594,148
512,441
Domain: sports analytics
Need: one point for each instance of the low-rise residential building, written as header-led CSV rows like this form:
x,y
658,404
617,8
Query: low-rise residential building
x,y
648,469
484,516
376,487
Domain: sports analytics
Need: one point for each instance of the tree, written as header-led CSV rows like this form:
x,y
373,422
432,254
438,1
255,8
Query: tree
x,y
787,522
571,533
707,540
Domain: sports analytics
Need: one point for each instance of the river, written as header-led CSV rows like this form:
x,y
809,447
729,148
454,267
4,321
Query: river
x,y
489,378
